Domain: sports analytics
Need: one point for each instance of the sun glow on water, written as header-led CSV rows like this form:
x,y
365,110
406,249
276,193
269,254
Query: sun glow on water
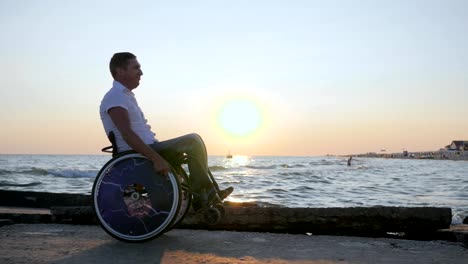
x,y
236,161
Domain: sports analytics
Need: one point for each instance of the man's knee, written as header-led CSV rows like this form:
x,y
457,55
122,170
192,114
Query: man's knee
x,y
196,138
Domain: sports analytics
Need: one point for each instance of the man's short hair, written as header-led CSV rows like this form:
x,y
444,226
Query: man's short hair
x,y
120,60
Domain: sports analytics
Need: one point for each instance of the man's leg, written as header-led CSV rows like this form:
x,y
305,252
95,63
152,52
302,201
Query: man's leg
x,y
197,159
202,182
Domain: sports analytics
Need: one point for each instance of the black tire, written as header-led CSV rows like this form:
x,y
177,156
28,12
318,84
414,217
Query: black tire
x,y
212,215
139,211
186,195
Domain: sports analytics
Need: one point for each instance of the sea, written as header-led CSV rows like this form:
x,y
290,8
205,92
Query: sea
x,y
314,182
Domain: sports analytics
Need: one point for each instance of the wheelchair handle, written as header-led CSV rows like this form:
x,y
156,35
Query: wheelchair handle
x,y
108,149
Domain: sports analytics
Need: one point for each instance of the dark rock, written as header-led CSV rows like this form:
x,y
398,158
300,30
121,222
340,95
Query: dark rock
x,y
83,215
361,221
465,221
416,222
42,199
28,216
413,222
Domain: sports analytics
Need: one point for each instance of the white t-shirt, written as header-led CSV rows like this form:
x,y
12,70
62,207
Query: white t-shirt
x,y
120,96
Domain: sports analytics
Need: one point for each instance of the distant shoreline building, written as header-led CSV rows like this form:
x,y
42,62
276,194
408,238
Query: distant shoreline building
x,y
458,149
458,145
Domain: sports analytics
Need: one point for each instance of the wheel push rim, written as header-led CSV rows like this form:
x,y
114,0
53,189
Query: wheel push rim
x,y
133,203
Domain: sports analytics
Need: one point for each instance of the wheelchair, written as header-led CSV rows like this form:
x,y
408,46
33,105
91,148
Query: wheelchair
x,y
133,203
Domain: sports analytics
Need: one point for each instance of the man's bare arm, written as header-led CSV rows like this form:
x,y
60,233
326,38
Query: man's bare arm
x,y
120,118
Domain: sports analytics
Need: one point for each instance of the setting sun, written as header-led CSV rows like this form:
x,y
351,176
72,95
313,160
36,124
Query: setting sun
x,y
239,117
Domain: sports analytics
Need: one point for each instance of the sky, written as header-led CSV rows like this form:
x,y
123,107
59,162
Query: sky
x,y
295,78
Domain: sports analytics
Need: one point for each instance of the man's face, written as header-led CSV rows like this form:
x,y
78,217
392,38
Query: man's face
x,y
131,75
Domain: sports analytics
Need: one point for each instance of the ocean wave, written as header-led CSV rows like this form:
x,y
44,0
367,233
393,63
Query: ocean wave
x,y
32,171
12,184
292,173
67,173
362,167
303,188
275,166
276,190
217,168
35,171
271,167
70,173
325,162
287,166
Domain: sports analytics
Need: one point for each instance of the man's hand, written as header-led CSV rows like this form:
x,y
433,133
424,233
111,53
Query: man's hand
x,y
160,165
121,120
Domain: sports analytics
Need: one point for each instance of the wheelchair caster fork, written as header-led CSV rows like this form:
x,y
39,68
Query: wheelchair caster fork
x,y
209,207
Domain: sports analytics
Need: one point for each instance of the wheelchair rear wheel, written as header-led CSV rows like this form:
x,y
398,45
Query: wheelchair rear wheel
x,y
185,195
132,202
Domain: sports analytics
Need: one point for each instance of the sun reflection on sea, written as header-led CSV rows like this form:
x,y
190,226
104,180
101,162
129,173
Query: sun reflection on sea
x,y
236,161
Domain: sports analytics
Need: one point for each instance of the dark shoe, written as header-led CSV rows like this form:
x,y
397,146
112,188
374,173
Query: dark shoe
x,y
213,198
203,199
225,193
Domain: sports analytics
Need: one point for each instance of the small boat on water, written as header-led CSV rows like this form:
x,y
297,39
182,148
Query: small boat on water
x,y
229,155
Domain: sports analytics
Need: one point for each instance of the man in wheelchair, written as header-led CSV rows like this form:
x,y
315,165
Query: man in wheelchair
x,y
122,117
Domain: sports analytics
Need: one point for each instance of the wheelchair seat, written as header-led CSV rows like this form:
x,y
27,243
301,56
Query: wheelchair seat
x,y
178,160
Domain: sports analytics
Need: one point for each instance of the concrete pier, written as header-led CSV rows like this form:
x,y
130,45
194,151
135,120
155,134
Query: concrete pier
x,y
58,243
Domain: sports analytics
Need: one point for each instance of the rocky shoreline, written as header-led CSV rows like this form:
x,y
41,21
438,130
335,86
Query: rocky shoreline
x,y
417,223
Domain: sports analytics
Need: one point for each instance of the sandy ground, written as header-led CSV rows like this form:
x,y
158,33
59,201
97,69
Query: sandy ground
x,y
53,243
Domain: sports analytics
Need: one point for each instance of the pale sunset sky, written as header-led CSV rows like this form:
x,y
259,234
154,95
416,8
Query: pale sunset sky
x,y
251,77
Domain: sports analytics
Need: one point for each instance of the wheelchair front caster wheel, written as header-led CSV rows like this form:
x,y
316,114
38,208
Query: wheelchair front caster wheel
x,y
213,215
